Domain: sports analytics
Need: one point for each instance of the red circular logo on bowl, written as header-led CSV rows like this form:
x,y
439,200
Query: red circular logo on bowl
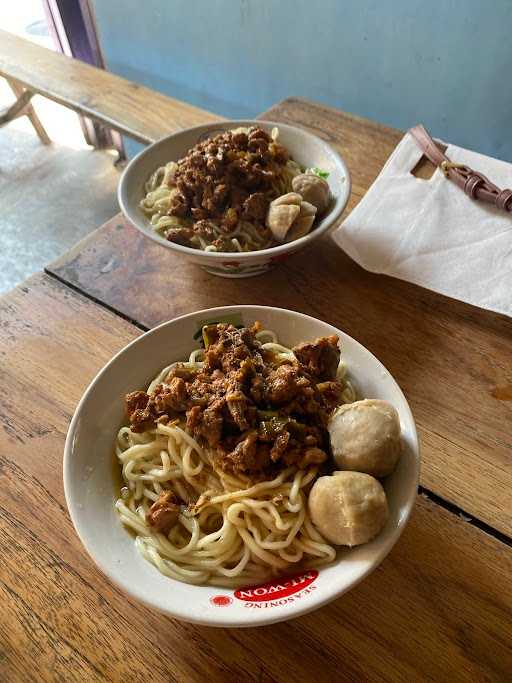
x,y
278,588
221,600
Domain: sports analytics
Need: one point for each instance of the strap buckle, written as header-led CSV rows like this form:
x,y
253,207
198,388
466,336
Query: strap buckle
x,y
445,166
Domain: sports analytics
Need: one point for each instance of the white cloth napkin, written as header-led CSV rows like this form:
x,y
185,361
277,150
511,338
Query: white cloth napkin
x,y
429,232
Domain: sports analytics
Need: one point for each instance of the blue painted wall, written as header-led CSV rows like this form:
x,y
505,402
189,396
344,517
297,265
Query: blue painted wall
x,y
447,63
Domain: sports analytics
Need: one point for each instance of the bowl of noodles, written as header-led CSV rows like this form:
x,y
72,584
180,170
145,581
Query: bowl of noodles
x,y
235,197
203,476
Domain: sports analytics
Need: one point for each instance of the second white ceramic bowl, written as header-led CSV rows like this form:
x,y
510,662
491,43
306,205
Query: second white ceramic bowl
x,y
90,485
307,149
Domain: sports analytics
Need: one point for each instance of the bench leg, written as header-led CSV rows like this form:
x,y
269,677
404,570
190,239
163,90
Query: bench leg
x,y
19,108
23,107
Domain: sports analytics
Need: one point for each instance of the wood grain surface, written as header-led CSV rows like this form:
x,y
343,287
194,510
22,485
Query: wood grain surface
x,y
438,608
127,107
452,360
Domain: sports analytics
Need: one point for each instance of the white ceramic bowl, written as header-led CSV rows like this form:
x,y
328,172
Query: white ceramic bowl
x,y
90,487
305,148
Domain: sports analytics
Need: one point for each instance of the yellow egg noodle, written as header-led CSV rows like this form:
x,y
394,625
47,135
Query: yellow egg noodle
x,y
247,236
234,532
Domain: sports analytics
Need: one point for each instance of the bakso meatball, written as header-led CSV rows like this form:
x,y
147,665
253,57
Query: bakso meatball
x,y
313,189
365,437
348,508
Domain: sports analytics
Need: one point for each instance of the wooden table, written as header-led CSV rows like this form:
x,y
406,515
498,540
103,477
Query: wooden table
x,y
438,608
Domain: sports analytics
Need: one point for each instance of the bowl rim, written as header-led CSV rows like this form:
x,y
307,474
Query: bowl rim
x,y
337,210
263,617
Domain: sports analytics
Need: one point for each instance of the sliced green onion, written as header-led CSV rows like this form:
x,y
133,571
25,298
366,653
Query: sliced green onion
x,y
320,173
209,334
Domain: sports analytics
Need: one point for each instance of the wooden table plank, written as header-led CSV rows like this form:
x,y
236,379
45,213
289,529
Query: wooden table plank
x,y
424,614
130,108
448,357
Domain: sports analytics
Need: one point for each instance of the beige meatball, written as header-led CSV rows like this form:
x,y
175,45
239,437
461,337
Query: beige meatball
x,y
313,189
348,508
365,437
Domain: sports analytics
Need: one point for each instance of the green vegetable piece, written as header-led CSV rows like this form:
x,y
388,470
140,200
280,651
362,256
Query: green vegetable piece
x,y
297,429
269,429
209,335
234,318
320,173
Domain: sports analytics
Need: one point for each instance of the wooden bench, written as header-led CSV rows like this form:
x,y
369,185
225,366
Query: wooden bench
x,y
131,109
23,107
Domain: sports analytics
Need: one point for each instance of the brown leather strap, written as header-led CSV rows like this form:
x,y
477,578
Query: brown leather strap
x,y
474,184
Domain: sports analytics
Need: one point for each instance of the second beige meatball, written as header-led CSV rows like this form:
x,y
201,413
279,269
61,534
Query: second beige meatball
x,y
365,437
348,508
